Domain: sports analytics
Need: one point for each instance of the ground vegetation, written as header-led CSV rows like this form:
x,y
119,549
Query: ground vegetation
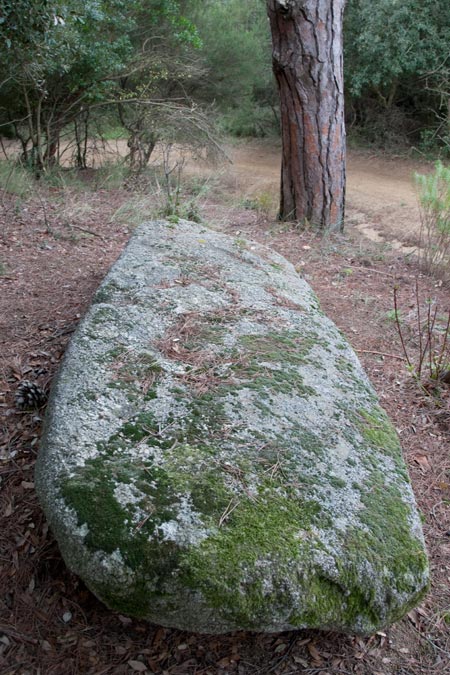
x,y
55,247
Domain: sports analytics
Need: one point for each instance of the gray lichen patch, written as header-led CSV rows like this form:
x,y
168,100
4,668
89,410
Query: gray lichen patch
x,y
214,457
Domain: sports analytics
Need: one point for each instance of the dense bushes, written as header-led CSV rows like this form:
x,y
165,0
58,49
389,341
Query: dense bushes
x,y
67,67
62,62
236,48
397,70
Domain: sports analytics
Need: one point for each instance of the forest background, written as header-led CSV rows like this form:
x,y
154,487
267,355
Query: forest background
x,y
178,71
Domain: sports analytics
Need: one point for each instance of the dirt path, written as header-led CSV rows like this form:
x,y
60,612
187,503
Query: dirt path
x,y
381,199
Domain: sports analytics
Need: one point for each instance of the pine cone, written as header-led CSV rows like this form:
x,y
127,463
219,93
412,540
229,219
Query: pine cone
x,y
30,396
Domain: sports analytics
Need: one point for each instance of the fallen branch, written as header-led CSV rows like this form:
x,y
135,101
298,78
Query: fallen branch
x,y
372,269
399,329
84,229
370,351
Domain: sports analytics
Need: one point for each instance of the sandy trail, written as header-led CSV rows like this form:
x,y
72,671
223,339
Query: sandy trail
x,y
381,197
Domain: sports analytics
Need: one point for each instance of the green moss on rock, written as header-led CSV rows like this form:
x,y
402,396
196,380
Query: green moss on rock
x,y
286,347
227,567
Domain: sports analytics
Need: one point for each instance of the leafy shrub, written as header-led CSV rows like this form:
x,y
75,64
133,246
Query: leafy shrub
x,y
250,120
264,202
434,201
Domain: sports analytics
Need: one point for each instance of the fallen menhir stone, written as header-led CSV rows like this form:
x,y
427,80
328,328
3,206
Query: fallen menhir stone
x,y
214,456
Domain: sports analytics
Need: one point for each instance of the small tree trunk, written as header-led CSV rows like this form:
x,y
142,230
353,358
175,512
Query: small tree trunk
x,y
52,145
39,167
448,117
308,66
81,127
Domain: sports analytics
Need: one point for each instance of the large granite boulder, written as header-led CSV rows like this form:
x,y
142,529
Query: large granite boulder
x,y
214,456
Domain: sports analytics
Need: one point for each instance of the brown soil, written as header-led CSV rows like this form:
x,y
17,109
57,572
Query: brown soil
x,y
54,248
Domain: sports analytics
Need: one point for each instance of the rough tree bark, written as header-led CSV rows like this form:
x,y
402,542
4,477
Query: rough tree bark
x,y
308,66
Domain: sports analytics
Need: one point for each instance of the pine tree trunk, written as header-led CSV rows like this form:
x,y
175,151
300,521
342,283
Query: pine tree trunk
x,y
308,66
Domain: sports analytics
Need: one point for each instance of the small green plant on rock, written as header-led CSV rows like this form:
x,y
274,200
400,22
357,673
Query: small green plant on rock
x,y
434,201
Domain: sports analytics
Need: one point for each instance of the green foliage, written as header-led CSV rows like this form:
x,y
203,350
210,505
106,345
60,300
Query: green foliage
x,y
237,53
64,45
389,41
395,56
392,315
250,118
55,63
24,22
65,64
64,59
434,199
262,202
236,44
14,178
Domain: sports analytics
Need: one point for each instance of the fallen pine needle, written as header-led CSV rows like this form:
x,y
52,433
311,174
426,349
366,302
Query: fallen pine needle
x,y
228,511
